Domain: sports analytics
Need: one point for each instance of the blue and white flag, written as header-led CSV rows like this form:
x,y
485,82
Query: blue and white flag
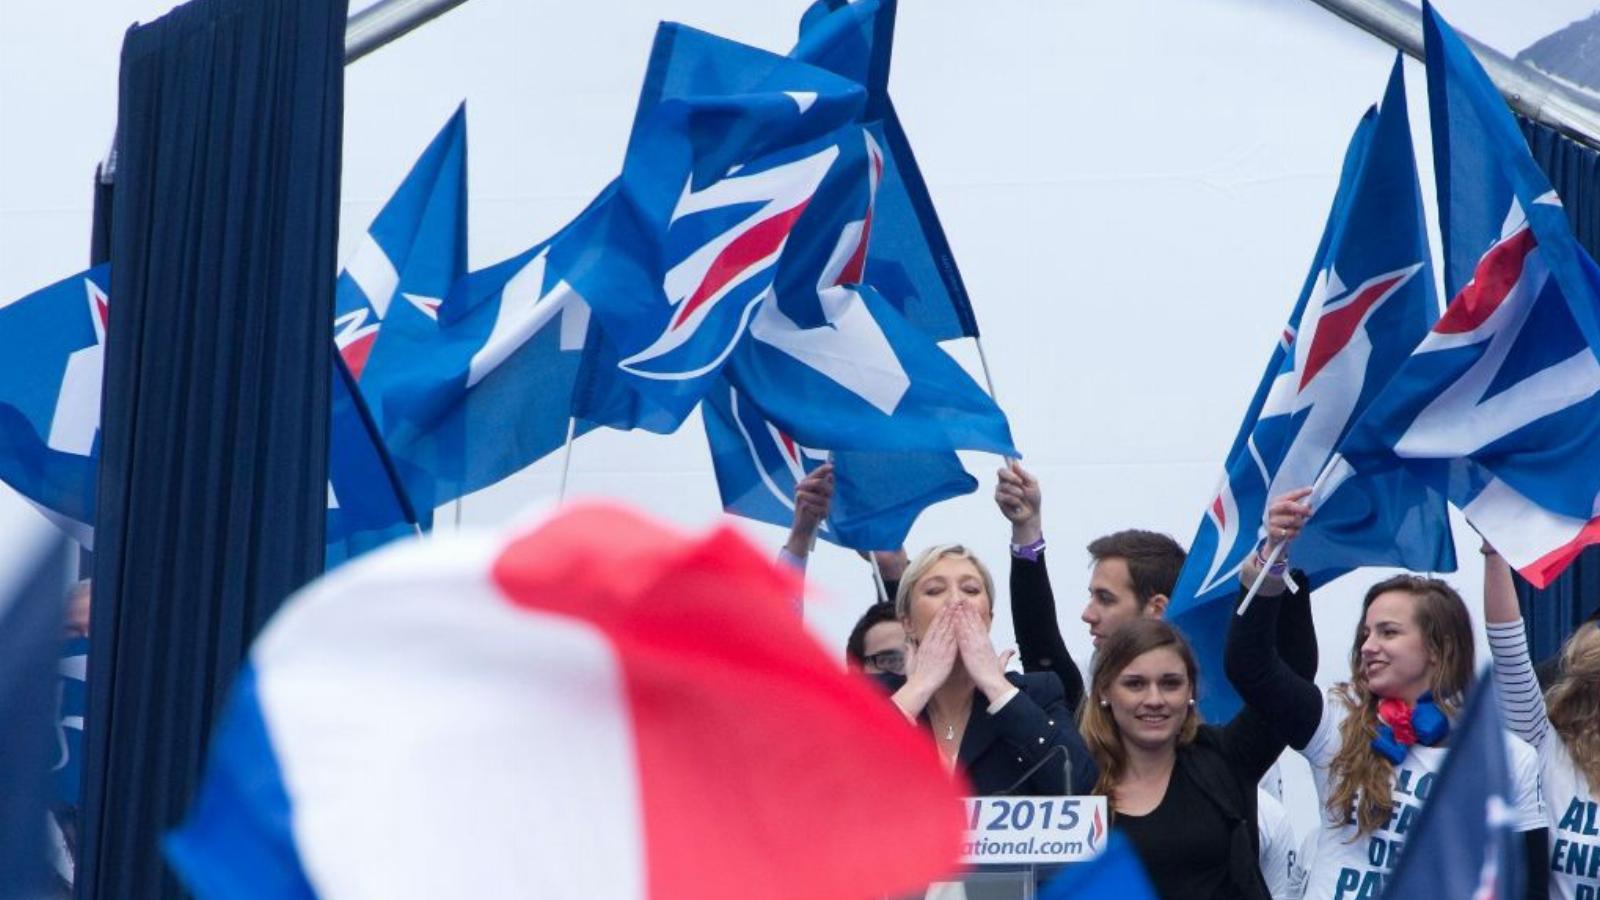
x,y
1366,303
1499,407
369,504
33,582
52,347
487,389
1463,844
414,251
876,496
736,181
910,260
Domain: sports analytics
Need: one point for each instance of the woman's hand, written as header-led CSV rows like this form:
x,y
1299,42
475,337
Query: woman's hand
x,y
1286,518
929,662
987,669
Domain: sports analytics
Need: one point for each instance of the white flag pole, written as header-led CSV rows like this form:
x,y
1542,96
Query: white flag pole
x,y
1277,551
566,459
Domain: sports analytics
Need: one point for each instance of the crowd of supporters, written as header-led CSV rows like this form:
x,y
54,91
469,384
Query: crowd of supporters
x,y
1201,803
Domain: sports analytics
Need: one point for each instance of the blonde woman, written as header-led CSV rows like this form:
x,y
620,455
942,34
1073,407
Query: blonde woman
x,y
1008,732
1378,740
1563,725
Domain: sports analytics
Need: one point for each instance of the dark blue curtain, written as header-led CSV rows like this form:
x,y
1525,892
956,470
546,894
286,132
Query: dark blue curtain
x,y
1574,171
213,466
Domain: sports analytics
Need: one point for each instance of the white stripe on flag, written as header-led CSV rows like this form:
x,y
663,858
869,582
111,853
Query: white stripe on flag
x,y
436,741
374,273
1522,531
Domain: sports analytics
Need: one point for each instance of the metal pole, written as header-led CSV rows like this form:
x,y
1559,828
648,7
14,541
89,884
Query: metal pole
x,y
388,20
1528,91
566,459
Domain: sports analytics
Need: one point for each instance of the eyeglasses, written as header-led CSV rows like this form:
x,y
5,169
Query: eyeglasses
x,y
893,661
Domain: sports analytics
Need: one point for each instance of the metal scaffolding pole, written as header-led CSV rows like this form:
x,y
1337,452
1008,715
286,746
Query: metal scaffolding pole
x,y
387,20
1530,92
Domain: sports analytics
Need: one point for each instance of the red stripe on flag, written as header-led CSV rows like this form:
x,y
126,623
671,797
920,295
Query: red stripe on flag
x,y
1336,327
356,352
1219,512
764,769
1497,273
1546,568
744,251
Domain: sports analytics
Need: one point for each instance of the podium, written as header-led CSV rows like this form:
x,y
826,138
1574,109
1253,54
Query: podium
x,y
1015,844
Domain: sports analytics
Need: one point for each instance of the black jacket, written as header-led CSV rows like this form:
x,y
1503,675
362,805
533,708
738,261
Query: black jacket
x,y
1015,751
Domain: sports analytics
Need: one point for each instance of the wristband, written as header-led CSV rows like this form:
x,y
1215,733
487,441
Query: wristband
x,y
1029,551
1278,569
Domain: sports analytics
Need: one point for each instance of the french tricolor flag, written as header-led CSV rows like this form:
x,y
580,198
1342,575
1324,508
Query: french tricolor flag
x,y
599,706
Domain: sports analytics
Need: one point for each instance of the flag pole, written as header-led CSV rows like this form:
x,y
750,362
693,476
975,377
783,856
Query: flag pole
x,y
566,459
877,578
988,377
458,514
389,470
1277,551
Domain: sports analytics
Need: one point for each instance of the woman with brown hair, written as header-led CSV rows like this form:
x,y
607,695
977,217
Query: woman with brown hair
x,y
1377,742
1562,725
1182,792
1008,732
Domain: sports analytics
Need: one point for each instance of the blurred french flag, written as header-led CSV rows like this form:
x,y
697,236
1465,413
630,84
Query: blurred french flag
x,y
598,706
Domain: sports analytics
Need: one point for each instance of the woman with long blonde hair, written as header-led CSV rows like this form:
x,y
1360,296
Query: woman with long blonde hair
x,y
1377,741
1562,725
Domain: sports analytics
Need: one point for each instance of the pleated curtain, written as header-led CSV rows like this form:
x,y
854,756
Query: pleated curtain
x,y
213,467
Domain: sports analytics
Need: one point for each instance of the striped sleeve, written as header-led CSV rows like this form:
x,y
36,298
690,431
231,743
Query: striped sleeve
x,y
1521,702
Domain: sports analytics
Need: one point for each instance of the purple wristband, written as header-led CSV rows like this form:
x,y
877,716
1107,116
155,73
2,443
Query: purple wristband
x,y
1030,551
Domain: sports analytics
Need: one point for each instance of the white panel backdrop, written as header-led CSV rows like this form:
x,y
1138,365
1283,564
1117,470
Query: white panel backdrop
x,y
1133,190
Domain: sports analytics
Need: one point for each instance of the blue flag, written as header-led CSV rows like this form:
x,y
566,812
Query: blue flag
x,y
1463,844
413,252
1366,303
737,181
52,345
33,581
876,497
389,293
1114,875
868,381
368,503
909,260
1499,407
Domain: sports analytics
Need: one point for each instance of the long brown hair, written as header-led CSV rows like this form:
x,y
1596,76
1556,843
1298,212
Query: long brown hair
x,y
1573,702
1099,727
1359,777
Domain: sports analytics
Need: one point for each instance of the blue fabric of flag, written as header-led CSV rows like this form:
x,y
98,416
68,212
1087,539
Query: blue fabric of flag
x,y
1114,875
1499,408
910,260
51,345
728,188
237,839
67,768
876,497
1365,304
1463,844
869,381
33,579
368,503
416,245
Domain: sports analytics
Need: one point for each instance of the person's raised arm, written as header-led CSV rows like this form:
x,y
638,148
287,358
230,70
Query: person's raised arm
x,y
1517,689
1033,602
812,496
1269,686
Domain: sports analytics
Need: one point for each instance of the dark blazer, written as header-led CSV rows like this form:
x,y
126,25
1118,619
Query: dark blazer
x,y
998,751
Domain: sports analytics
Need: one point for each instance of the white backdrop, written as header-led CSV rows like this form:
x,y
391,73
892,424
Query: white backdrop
x,y
1133,191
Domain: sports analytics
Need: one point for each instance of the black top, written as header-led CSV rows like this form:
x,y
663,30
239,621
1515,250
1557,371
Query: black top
x,y
1027,748
1192,837
1033,618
